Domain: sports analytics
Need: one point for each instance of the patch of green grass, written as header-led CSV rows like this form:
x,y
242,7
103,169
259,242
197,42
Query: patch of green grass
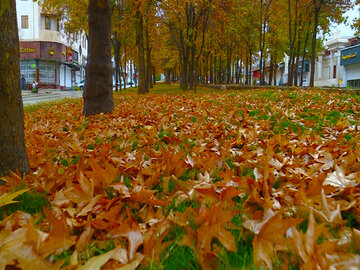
x,y
230,162
334,116
191,173
31,202
316,98
248,171
350,218
64,256
90,146
194,119
242,258
171,185
348,136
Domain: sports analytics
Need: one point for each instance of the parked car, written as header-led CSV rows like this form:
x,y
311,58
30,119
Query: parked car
x,y
81,85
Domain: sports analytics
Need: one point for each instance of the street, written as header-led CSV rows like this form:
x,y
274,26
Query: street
x,y
47,95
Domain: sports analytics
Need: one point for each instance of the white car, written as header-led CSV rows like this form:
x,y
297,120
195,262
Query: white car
x,y
81,85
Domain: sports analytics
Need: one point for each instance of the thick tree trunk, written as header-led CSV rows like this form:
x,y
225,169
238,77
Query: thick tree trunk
x,y
167,76
13,156
141,53
98,93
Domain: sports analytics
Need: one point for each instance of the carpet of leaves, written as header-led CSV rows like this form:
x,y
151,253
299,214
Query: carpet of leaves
x,y
236,179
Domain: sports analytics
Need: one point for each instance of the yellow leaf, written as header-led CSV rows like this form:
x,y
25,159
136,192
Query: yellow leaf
x,y
8,198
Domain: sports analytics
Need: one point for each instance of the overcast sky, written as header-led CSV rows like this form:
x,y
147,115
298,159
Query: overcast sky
x,y
346,29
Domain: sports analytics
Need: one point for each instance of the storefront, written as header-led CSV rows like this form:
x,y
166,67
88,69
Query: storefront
x,y
350,59
50,64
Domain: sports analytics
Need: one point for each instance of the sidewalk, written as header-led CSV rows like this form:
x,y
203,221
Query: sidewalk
x,y
47,95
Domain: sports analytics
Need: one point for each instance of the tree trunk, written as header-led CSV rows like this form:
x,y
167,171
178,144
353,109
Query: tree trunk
x,y
154,75
271,69
167,75
148,60
125,69
211,66
141,53
303,53
275,68
313,45
247,70
116,48
13,156
98,93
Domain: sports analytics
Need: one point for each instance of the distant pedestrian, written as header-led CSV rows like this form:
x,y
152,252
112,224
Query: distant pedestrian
x,y
23,82
34,87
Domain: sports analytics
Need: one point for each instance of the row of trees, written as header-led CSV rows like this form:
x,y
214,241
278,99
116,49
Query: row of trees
x,y
210,41
198,41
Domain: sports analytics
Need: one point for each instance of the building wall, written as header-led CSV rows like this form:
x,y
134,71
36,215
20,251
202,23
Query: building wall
x,y
30,9
47,54
353,72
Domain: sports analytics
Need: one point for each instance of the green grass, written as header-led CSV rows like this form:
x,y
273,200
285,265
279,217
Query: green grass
x,y
31,202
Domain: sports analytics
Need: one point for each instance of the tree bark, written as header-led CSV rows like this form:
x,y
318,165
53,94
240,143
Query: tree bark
x,y
13,156
116,48
98,93
303,53
141,53
148,60
317,6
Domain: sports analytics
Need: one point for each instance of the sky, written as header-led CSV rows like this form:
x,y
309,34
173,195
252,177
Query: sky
x,y
346,30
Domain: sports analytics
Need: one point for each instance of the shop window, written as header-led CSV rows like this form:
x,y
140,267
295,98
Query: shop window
x,y
47,72
25,22
27,70
354,83
334,72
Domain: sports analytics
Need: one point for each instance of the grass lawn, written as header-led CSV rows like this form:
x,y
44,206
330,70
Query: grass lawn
x,y
181,180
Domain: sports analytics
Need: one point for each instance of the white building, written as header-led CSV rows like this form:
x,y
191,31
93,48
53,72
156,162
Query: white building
x,y
329,66
328,71
46,54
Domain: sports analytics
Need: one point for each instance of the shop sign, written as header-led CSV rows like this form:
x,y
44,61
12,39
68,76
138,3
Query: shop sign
x,y
27,50
69,55
350,56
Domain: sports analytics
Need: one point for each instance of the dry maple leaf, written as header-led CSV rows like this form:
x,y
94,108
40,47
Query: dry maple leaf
x,y
271,238
59,238
312,253
131,230
14,252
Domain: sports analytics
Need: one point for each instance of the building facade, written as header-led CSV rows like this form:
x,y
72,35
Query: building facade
x,y
47,56
330,67
350,60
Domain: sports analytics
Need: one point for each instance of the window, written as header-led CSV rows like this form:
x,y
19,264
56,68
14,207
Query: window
x,y
334,72
354,83
47,72
27,70
47,23
25,22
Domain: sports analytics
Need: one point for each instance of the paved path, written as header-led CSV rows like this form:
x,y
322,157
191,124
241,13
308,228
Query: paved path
x,y
47,95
